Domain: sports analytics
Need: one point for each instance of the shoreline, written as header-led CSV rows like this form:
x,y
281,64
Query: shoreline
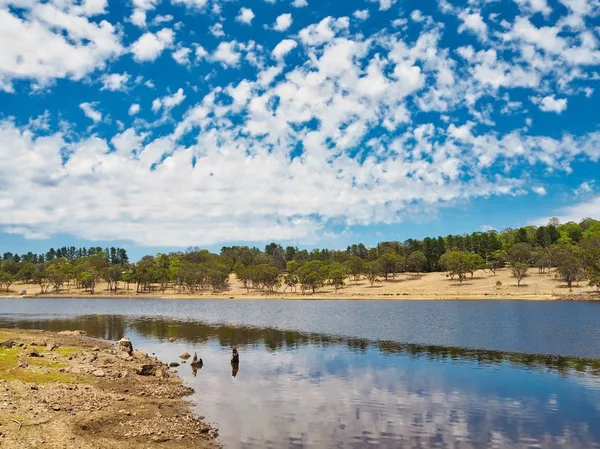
x,y
319,296
69,390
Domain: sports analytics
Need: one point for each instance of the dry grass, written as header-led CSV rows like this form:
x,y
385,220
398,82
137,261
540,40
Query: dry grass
x,y
403,286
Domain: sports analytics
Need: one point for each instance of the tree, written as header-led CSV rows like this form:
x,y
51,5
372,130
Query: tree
x,y
520,253
312,275
569,263
497,261
6,279
337,275
372,271
475,262
355,266
391,263
457,263
416,262
519,271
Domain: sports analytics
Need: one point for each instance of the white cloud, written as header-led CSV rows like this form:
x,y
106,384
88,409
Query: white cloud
x,y
245,16
226,53
217,30
299,3
473,22
283,48
47,42
283,22
134,109
182,55
362,14
552,104
115,81
540,190
585,188
89,109
149,46
168,102
384,5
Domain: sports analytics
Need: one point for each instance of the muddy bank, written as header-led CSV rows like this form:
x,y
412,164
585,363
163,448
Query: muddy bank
x,y
66,390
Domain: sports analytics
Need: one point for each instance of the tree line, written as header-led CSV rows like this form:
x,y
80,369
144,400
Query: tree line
x,y
571,249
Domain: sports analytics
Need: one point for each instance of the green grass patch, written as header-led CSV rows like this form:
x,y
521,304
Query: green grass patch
x,y
35,373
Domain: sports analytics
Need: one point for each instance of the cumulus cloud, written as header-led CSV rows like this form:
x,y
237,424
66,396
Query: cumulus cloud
x,y
552,104
283,22
115,81
384,5
89,109
227,54
361,14
284,47
395,122
245,16
150,45
168,102
53,41
134,109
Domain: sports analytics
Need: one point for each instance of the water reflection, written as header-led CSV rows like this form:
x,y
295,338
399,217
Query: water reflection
x,y
312,390
113,327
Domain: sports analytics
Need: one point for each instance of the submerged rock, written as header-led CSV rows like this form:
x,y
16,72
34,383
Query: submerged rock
x,y
185,356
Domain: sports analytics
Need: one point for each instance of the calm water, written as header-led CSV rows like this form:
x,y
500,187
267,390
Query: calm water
x,y
356,374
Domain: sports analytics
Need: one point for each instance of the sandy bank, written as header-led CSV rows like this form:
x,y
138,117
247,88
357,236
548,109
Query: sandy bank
x,y
427,286
65,390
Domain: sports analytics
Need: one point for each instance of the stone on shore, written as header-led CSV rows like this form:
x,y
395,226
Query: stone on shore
x,y
124,344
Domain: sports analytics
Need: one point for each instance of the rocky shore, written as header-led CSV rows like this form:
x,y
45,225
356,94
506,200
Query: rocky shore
x,y
66,390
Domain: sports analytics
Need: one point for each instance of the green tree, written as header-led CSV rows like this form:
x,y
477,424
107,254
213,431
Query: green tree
x,y
416,262
373,271
312,275
391,263
457,263
569,261
519,271
337,275
355,266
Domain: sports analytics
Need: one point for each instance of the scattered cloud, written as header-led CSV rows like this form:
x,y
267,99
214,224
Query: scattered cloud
x,y
245,16
283,22
89,109
115,81
150,45
134,109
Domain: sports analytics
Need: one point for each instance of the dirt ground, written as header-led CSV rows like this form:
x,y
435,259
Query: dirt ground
x,y
404,286
65,390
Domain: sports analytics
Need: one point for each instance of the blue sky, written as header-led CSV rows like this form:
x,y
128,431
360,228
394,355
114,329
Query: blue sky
x,y
158,124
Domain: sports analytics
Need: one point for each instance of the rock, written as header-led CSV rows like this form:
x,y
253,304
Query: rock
x,y
33,353
159,439
172,339
56,408
38,343
124,344
146,370
123,355
99,373
23,363
7,344
160,373
51,346
173,364
185,356
96,349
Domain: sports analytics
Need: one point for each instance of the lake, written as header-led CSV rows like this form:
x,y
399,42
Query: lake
x,y
354,374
